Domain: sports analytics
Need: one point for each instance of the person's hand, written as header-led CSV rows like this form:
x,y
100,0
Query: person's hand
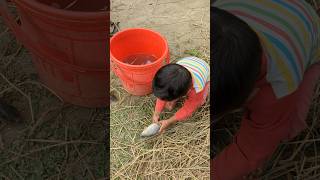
x,y
156,117
165,124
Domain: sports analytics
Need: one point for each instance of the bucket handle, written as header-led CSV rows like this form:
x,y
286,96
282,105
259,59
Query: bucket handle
x,y
118,71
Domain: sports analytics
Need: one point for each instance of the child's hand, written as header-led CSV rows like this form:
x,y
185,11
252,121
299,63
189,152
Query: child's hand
x,y
156,117
166,123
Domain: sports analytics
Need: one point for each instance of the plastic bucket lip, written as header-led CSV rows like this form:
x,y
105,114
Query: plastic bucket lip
x,y
139,66
56,13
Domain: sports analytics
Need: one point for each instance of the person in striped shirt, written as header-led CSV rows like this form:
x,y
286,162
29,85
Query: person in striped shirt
x,y
266,57
189,76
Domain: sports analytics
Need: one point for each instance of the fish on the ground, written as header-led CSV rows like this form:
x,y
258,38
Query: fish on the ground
x,y
151,130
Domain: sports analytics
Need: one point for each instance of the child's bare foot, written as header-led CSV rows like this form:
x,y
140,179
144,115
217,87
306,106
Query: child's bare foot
x,y
170,105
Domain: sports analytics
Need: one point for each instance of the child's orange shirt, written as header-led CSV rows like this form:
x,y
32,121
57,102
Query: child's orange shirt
x,y
193,101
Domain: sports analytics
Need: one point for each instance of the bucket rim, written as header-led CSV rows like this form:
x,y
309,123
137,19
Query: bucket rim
x,y
38,7
145,65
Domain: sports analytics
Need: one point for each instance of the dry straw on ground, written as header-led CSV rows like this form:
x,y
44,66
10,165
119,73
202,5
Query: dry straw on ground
x,y
181,152
53,140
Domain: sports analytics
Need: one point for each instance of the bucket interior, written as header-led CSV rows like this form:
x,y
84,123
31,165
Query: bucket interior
x,y
137,41
77,5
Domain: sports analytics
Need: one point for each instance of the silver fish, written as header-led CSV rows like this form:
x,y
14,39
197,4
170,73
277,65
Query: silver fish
x,y
151,130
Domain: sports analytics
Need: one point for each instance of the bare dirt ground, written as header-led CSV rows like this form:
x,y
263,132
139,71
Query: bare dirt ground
x,y
53,140
183,151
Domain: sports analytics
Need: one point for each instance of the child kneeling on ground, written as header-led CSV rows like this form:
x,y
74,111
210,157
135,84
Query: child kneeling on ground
x,y
189,76
267,57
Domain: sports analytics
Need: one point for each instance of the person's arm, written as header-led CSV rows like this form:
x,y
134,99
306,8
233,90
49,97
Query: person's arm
x,y
158,109
190,105
193,101
159,105
263,126
166,123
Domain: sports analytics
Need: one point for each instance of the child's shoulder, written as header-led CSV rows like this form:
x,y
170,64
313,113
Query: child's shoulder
x,y
199,69
192,60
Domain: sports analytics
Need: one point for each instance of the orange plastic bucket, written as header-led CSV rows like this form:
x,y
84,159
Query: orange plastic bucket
x,y
137,79
68,46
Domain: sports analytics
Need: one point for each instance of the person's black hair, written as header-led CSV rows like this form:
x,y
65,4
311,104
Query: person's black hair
x,y
236,54
171,82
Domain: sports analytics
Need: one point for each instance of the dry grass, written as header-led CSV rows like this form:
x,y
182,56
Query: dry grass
x,y
53,140
181,152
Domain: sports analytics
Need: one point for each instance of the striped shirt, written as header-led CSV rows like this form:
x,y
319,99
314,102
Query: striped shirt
x,y
289,32
199,70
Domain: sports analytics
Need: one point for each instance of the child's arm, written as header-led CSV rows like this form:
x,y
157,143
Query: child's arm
x,y
159,105
267,122
193,101
166,123
191,104
158,109
263,126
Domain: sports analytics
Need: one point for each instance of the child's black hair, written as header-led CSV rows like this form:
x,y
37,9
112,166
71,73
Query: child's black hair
x,y
236,54
171,82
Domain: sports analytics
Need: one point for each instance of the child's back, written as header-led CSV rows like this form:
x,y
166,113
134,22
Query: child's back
x,y
289,32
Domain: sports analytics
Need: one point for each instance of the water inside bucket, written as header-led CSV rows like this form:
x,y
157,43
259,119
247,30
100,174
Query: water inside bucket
x,y
140,59
77,5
